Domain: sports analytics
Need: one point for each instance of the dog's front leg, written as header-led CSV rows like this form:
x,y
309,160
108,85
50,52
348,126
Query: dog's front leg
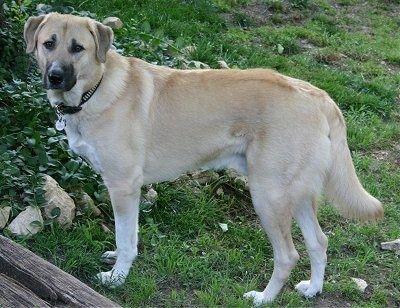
x,y
125,198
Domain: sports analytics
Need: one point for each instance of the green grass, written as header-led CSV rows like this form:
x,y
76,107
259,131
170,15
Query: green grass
x,y
351,50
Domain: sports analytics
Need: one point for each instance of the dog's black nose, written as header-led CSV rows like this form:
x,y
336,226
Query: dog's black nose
x,y
59,76
56,76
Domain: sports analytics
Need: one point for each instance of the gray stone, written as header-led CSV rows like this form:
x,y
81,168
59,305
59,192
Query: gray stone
x,y
4,216
113,22
361,284
55,197
237,178
86,203
223,64
151,196
204,177
219,192
43,8
28,222
105,228
392,245
223,226
182,180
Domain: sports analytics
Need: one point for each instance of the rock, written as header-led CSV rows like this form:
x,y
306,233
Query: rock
x,y
104,197
237,178
105,228
86,203
280,49
243,182
232,173
4,216
113,22
361,284
151,196
40,6
222,64
197,64
189,50
55,197
219,192
204,177
224,227
43,8
393,245
196,190
182,180
28,222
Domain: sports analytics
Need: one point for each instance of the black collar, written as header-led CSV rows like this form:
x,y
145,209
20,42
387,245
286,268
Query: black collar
x,y
62,109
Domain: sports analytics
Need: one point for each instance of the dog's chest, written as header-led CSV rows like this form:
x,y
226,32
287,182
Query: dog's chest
x,y
82,147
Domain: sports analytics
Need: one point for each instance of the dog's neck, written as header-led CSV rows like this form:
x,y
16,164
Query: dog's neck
x,y
63,109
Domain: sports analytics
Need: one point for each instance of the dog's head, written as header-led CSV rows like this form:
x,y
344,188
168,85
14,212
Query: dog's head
x,y
70,50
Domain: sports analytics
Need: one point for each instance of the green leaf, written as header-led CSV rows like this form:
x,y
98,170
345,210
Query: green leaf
x,y
180,43
146,26
51,132
36,223
55,212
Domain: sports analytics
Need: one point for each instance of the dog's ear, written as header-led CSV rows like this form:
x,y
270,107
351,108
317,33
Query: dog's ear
x,y
31,31
103,38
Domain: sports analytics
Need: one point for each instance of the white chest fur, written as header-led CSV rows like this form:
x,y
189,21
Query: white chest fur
x,y
80,146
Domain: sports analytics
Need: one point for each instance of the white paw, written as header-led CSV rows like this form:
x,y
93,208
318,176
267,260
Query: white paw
x,y
109,257
307,289
258,298
111,278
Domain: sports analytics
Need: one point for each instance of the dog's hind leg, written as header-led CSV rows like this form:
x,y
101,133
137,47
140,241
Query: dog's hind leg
x,y
276,220
273,205
316,243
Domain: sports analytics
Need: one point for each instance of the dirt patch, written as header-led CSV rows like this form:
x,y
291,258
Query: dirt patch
x,y
393,68
255,14
394,155
258,12
330,58
358,14
391,155
331,301
171,284
306,44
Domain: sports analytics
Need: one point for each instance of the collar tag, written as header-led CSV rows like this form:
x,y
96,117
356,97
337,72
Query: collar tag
x,y
60,123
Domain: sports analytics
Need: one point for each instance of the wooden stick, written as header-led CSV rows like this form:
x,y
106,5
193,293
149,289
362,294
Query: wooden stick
x,y
46,280
13,294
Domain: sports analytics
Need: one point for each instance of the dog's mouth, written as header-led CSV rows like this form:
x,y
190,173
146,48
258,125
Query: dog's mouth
x,y
64,86
59,76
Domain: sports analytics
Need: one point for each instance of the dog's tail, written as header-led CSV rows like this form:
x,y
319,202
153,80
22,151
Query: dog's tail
x,y
343,186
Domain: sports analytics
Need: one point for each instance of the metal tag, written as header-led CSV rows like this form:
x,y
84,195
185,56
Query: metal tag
x,y
60,124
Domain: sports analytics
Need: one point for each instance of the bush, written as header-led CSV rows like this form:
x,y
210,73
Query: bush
x,y
29,145
13,59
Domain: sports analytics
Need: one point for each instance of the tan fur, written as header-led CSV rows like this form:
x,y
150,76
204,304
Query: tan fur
x,y
148,123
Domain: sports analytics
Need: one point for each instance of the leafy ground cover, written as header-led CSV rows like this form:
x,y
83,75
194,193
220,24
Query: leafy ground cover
x,y
350,48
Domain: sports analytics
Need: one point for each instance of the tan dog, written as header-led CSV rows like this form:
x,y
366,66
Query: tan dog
x,y
139,123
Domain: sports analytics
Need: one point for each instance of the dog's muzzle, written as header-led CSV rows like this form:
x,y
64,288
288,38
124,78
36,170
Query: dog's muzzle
x,y
59,76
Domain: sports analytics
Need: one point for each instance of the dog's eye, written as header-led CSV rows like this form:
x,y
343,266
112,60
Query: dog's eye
x,y
77,48
49,44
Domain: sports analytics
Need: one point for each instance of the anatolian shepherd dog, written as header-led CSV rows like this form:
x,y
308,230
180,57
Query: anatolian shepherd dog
x,y
139,123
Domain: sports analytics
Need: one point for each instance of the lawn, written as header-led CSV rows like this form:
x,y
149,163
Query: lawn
x,y
350,48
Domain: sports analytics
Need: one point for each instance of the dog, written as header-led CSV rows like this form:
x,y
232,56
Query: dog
x,y
138,123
